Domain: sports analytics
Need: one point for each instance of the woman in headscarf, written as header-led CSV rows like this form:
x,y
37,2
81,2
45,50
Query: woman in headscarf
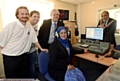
x,y
60,66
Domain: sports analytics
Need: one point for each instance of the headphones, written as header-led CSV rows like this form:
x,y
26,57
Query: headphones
x,y
67,30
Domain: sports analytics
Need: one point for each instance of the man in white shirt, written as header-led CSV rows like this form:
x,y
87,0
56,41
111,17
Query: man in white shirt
x,y
15,40
33,20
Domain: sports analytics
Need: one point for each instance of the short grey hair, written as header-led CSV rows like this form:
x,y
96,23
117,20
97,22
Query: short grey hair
x,y
54,10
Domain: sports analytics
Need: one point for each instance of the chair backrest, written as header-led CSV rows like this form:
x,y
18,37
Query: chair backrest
x,y
43,59
117,47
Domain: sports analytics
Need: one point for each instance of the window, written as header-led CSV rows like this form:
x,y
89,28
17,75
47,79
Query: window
x,y
8,9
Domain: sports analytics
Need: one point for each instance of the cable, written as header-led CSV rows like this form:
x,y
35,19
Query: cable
x,y
97,56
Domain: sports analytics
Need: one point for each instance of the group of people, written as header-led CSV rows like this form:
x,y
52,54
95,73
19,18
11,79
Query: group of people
x,y
16,40
19,39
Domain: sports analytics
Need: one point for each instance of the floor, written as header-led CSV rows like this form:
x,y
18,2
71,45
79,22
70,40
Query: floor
x,y
40,76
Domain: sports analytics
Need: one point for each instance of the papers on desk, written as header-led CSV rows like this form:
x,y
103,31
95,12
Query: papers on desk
x,y
115,69
114,74
110,77
84,45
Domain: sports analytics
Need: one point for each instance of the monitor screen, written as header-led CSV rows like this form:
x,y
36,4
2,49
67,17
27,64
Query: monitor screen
x,y
94,33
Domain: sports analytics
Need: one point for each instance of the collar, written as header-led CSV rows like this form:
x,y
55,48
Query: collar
x,y
107,21
21,25
54,22
32,25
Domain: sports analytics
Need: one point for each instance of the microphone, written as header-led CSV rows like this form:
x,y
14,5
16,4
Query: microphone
x,y
76,25
76,31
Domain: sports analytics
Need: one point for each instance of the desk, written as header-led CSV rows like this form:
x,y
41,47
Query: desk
x,y
93,67
101,60
99,64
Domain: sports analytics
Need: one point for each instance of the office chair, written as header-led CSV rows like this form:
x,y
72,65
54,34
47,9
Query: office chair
x,y
43,59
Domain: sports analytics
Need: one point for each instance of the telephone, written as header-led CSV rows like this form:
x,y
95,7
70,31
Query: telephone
x,y
115,54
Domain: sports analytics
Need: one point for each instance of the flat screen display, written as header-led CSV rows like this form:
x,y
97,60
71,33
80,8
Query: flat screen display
x,y
94,33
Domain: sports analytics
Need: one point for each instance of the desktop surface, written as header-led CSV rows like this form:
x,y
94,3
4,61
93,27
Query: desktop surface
x,y
100,60
89,64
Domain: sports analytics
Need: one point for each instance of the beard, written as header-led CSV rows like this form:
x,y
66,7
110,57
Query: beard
x,y
23,19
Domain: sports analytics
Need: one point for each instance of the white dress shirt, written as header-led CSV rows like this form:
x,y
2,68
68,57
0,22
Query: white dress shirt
x,y
16,38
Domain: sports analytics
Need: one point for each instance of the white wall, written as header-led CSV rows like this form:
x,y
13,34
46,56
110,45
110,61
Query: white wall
x,y
0,18
66,6
0,21
8,11
57,5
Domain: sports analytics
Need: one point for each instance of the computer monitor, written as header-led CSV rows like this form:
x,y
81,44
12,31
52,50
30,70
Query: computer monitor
x,y
94,33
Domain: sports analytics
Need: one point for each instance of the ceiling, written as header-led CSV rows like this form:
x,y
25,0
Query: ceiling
x,y
76,1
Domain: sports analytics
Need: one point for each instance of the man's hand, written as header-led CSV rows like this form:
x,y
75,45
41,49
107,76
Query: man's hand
x,y
44,50
1,47
101,26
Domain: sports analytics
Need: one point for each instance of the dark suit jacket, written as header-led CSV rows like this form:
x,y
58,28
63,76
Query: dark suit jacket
x,y
44,32
59,59
109,32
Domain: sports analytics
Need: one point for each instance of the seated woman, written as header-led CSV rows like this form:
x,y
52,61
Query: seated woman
x,y
60,66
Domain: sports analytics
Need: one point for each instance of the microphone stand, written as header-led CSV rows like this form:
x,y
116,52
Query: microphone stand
x,y
76,25
97,56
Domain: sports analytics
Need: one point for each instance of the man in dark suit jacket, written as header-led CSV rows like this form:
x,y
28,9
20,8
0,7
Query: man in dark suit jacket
x,y
109,26
47,31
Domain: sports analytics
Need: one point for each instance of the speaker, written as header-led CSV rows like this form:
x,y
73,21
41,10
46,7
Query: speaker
x,y
83,36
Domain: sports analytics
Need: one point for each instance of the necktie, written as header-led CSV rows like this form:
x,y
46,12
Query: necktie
x,y
55,26
104,23
52,33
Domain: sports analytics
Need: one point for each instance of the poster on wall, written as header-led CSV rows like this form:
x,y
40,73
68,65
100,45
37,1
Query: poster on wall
x,y
64,14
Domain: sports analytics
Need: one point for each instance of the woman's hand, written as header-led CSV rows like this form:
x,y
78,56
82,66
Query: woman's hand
x,y
85,50
44,50
70,67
